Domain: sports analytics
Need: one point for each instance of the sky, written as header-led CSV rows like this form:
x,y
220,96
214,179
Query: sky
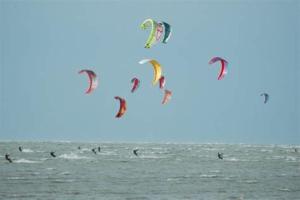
x,y
45,43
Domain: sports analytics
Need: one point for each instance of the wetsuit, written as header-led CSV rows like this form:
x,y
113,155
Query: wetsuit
x,y
135,152
8,158
52,154
220,155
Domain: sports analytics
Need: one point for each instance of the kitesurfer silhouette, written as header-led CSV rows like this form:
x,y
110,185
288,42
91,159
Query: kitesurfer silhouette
x,y
94,150
8,158
220,155
135,152
52,153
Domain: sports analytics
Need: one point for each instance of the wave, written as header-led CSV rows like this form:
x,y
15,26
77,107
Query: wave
x,y
215,171
72,156
290,158
27,151
65,173
16,178
208,176
286,158
85,149
108,153
284,189
251,181
266,150
150,157
25,161
232,159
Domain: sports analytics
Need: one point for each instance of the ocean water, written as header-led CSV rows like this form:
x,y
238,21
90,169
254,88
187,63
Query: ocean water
x,y
160,171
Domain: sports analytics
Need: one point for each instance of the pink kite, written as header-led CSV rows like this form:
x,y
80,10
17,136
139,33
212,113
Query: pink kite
x,y
122,108
224,65
167,96
93,82
136,84
162,82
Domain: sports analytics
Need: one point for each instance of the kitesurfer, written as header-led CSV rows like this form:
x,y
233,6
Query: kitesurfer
x,y
8,158
94,150
52,153
20,149
135,152
220,155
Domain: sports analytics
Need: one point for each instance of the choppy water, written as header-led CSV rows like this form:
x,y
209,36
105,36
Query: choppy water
x,y
161,171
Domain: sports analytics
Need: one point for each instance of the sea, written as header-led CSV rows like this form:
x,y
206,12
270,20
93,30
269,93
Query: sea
x,y
158,172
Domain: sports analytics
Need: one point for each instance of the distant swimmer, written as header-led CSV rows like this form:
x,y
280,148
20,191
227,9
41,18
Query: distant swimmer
x,y
99,148
8,158
52,153
220,155
135,152
296,150
94,150
79,147
20,149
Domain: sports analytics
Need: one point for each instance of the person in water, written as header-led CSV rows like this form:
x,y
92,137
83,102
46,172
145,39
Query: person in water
x,y
99,149
20,149
135,152
220,155
94,150
8,158
78,147
52,153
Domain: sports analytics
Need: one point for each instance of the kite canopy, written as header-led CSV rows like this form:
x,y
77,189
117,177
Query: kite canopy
x,y
224,65
266,97
167,96
93,81
156,68
168,32
122,108
136,84
158,29
150,23
162,82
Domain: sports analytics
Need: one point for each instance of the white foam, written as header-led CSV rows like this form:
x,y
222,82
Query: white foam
x,y
208,176
15,178
214,171
109,153
251,181
232,159
27,151
65,173
72,156
85,149
284,190
290,158
266,150
25,161
151,157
